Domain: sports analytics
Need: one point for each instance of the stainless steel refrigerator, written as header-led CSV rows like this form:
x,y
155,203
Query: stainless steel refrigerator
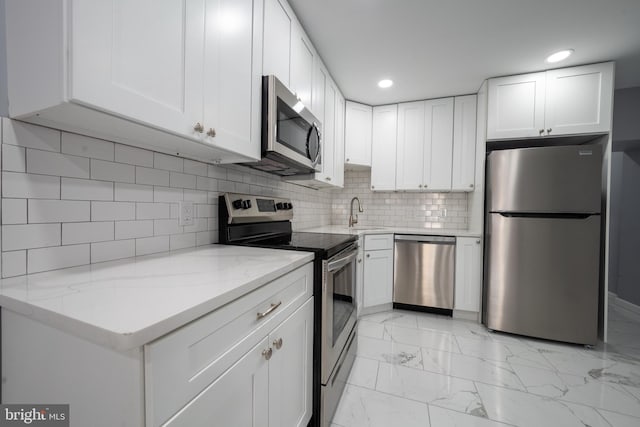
x,y
543,242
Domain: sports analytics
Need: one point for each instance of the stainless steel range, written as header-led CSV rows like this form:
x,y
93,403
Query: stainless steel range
x,y
266,222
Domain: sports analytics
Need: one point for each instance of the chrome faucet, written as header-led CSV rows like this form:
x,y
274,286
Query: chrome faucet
x,y
351,219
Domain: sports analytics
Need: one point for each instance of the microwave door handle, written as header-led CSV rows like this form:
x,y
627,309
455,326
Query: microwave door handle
x,y
341,262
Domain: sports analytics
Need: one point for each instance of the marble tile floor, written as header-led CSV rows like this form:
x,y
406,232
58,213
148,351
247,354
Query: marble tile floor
x,y
417,369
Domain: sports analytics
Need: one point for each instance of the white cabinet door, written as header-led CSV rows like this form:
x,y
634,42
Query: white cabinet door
x,y
276,59
338,172
319,83
438,144
290,370
239,397
410,148
468,273
578,100
360,275
378,277
328,134
464,143
139,60
358,134
383,148
232,81
302,60
516,106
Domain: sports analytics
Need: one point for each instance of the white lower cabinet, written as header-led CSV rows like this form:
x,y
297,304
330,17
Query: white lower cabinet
x,y
468,274
378,270
268,386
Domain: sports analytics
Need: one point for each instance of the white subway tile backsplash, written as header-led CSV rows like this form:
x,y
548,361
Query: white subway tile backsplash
x,y
153,210
133,156
165,194
110,171
226,187
182,241
199,224
170,163
13,158
28,236
42,211
181,180
25,185
152,176
216,172
133,192
133,229
86,189
86,232
80,145
14,263
195,168
14,211
206,184
108,251
113,211
196,196
48,163
30,136
166,226
45,259
152,245
206,211
206,238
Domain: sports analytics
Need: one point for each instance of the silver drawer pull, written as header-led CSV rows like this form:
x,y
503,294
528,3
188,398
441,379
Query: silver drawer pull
x,y
267,353
277,343
270,310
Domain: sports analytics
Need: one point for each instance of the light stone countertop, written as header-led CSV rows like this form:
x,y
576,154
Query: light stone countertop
x,y
363,229
125,304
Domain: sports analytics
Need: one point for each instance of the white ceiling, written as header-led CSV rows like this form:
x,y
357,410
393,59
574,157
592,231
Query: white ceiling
x,y
434,48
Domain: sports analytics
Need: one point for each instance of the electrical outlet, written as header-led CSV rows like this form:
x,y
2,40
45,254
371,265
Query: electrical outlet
x,y
186,213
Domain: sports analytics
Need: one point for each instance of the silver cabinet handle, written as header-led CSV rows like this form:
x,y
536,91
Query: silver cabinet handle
x,y
198,128
478,241
269,310
360,260
425,186
347,160
211,132
277,343
549,130
373,187
541,131
470,185
368,255
328,178
267,353
420,186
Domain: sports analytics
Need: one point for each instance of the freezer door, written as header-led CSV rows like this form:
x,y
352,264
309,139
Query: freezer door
x,y
561,179
542,277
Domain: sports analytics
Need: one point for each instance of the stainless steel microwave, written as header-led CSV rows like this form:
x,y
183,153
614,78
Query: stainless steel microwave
x,y
291,135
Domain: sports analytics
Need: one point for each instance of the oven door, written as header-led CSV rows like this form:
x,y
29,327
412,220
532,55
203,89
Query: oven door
x,y
338,307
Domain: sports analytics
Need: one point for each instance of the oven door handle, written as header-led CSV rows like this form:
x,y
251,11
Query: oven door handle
x,y
341,262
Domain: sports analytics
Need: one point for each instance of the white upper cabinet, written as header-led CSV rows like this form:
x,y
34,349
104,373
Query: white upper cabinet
x,y
425,145
94,67
302,65
438,144
516,106
383,148
358,134
464,143
579,100
328,133
566,101
338,171
410,148
278,22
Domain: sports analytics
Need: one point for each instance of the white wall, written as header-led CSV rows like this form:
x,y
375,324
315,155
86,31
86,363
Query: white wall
x,y
399,209
71,200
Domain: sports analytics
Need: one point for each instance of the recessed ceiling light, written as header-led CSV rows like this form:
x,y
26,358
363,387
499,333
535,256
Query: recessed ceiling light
x,y
385,83
560,55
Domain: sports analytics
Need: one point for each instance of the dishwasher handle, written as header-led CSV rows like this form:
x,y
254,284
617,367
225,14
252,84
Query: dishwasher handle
x,y
442,240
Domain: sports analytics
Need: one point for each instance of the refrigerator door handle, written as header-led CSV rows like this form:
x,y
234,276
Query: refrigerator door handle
x,y
546,215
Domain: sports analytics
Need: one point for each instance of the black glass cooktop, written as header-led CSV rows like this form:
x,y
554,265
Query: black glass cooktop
x,y
324,244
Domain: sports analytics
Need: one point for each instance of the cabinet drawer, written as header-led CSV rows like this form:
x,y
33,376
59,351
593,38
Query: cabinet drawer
x,y
376,242
181,364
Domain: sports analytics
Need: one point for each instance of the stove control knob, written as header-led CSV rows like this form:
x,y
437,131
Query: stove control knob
x,y
237,204
279,206
289,206
246,204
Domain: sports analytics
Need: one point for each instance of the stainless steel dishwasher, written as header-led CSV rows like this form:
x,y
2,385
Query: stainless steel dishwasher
x,y
423,273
